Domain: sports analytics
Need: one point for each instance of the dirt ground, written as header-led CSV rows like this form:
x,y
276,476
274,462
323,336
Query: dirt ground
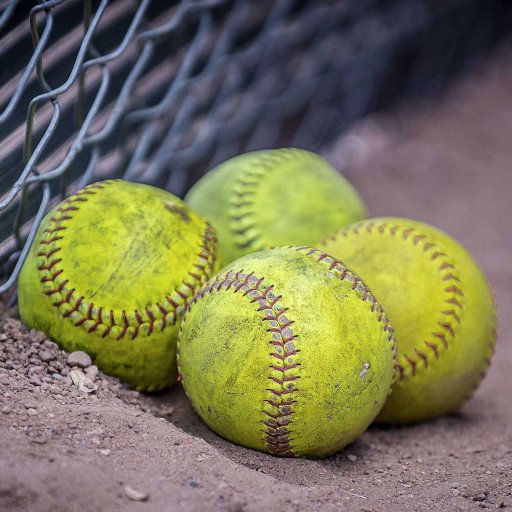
x,y
448,163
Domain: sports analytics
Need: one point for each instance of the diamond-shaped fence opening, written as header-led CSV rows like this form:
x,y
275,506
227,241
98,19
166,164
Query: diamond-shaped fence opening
x,y
159,92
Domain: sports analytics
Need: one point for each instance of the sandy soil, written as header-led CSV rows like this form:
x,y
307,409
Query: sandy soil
x,y
448,163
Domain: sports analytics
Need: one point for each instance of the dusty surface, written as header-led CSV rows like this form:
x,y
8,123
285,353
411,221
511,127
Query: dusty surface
x,y
450,164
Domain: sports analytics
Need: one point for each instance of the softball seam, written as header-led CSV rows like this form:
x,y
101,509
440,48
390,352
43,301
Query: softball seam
x,y
345,274
446,324
88,315
282,386
277,424
244,189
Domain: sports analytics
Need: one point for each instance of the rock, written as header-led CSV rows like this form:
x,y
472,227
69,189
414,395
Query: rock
x,y
37,369
46,355
134,494
6,410
82,382
35,380
32,412
80,359
105,452
55,389
351,458
92,372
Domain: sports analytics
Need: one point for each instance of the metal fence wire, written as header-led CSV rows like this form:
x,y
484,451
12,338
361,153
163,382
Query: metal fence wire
x,y
159,92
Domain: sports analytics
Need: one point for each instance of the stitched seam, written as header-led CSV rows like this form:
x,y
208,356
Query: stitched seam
x,y
89,316
243,217
338,269
278,407
445,326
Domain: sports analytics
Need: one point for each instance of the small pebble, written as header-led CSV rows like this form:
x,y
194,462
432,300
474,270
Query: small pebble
x,y
6,409
105,452
92,372
80,359
82,382
134,494
32,412
351,458
35,380
46,355
55,390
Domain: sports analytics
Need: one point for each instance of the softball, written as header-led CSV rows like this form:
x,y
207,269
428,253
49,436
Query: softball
x,y
286,352
439,303
272,198
110,272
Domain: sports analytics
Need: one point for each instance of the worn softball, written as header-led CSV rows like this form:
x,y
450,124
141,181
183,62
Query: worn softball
x,y
287,352
271,198
439,303
110,272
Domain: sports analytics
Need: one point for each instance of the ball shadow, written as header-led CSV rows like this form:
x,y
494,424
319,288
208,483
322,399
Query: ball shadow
x,y
353,462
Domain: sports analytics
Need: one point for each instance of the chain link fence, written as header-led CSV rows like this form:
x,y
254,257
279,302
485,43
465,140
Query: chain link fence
x,y
159,92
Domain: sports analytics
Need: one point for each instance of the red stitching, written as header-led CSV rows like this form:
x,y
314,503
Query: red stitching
x,y
422,356
74,308
454,289
49,279
106,332
243,207
433,347
50,265
284,350
204,265
442,337
454,301
126,324
453,313
51,240
67,298
412,363
48,254
450,276
447,326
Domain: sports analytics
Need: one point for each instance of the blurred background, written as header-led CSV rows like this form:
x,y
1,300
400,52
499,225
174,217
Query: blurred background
x,y
160,92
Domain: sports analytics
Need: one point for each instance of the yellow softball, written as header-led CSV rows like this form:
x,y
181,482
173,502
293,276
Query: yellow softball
x,y
110,272
272,198
287,352
439,303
